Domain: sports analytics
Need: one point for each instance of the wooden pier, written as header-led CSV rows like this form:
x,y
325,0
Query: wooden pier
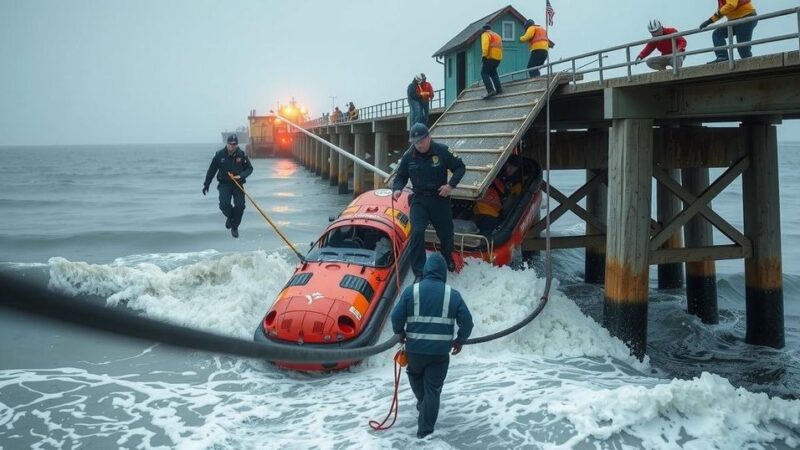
x,y
625,132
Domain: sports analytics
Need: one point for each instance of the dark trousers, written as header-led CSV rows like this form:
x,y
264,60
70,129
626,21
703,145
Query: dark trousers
x,y
489,74
226,191
743,33
426,374
425,112
437,211
486,224
537,58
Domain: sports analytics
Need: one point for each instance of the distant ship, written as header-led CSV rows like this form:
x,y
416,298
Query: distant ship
x,y
242,133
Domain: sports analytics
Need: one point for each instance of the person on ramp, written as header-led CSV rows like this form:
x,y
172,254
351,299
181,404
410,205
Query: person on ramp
x,y
426,315
230,159
426,164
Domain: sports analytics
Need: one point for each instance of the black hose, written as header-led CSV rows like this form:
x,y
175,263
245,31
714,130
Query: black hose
x,y
33,299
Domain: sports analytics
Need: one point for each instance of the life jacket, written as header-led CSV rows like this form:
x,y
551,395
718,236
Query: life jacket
x,y
492,201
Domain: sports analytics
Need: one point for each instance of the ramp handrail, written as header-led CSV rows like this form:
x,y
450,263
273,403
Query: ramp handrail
x,y
336,148
729,47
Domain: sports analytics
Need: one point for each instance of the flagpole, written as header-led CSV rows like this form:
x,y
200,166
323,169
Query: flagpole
x,y
548,268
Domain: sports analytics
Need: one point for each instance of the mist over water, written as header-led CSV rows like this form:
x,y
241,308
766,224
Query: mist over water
x,y
128,227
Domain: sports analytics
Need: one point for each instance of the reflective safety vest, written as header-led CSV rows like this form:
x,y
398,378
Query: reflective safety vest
x,y
491,45
536,37
431,328
722,3
742,8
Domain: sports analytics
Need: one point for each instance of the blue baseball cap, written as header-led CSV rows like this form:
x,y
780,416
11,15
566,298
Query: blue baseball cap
x,y
232,139
417,133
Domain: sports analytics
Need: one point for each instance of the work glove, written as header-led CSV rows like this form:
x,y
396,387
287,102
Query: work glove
x,y
706,23
456,348
483,59
205,189
402,337
638,59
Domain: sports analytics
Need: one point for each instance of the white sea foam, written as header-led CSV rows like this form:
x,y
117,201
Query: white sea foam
x,y
561,382
226,294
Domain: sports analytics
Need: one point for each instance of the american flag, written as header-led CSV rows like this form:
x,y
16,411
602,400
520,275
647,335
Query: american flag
x,y
550,12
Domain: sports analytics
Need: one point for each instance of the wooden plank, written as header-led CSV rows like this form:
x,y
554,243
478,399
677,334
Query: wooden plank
x,y
576,196
493,108
726,228
510,94
560,242
476,122
687,213
470,136
707,253
580,212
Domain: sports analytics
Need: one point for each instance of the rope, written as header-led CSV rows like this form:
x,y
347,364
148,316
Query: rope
x,y
400,361
264,215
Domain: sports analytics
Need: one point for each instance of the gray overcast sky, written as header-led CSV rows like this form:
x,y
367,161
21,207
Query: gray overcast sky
x,y
156,71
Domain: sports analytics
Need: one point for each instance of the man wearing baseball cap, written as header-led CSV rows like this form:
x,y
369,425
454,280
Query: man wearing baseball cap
x,y
229,160
426,164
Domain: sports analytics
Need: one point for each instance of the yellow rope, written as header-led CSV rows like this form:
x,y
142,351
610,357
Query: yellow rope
x,y
264,215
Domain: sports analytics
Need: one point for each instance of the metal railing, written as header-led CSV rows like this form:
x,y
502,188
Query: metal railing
x,y
602,70
386,109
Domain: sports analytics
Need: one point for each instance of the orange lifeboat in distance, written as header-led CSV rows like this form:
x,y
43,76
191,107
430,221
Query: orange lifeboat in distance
x,y
342,294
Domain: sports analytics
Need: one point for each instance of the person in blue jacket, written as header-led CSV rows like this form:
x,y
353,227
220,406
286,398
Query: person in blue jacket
x,y
426,315
230,159
426,164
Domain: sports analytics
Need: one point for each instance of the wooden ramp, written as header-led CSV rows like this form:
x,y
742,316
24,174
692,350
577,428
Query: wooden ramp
x,y
483,133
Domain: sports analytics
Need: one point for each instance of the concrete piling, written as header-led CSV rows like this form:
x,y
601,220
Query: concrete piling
x,y
345,143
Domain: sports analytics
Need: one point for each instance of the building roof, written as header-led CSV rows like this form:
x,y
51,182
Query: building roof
x,y
473,30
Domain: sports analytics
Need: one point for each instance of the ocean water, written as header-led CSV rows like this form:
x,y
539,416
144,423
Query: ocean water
x,y
127,226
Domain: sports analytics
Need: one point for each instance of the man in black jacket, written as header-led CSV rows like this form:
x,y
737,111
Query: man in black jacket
x,y
426,164
229,160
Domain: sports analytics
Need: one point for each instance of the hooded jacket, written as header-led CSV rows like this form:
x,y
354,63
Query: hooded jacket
x,y
426,314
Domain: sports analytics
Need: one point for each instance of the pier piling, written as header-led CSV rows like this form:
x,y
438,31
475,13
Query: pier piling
x,y
627,244
701,276
595,261
763,270
670,276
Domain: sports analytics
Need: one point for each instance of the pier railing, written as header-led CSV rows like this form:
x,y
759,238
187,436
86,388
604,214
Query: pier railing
x,y
385,109
601,69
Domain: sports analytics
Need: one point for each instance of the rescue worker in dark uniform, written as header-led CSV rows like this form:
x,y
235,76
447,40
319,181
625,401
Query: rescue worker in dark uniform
x,y
426,164
230,159
426,315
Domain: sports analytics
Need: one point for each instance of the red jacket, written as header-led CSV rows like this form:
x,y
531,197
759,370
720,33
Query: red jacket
x,y
425,91
664,46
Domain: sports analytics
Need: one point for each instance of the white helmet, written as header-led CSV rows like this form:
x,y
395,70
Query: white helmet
x,y
655,27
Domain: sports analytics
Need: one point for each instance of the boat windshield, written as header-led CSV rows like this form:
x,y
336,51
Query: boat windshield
x,y
353,244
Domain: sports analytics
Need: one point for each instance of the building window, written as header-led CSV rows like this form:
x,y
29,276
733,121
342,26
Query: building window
x,y
449,67
508,31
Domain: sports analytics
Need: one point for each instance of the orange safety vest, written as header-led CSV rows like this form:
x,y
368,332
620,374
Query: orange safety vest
x,y
495,41
722,3
539,36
